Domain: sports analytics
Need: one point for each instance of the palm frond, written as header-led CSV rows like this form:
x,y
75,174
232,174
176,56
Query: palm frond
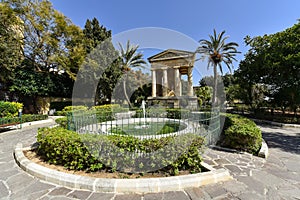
x,y
217,50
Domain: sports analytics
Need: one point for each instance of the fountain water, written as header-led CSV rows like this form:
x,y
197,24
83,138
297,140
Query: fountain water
x,y
144,126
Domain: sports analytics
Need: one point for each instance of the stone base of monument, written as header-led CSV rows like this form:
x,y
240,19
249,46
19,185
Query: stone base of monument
x,y
186,102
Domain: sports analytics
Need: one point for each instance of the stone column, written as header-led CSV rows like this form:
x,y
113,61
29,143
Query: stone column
x,y
165,82
190,81
177,80
153,83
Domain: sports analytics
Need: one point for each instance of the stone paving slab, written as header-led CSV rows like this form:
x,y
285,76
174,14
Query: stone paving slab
x,y
249,173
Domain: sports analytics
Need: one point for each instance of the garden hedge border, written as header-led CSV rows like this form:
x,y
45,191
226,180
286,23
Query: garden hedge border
x,y
142,185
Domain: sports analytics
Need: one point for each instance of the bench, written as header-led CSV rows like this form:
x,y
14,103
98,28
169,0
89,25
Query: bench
x,y
7,123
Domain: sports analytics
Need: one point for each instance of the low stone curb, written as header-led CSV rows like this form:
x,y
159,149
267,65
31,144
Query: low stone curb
x,y
143,185
276,123
32,123
264,150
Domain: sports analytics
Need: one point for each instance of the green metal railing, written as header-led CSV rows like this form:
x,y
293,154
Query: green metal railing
x,y
156,124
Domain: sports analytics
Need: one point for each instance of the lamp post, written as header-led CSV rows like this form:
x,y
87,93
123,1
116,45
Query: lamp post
x,y
20,117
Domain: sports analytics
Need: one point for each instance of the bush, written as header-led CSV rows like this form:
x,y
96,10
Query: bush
x,y
241,133
173,113
80,152
69,109
62,147
25,118
9,109
177,113
109,108
30,118
62,122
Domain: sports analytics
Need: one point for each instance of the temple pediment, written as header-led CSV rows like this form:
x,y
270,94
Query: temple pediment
x,y
171,54
167,67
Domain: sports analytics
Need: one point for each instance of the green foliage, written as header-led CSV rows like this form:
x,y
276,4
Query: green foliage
x,y
273,61
204,95
97,39
109,108
217,51
7,121
9,109
62,122
25,118
30,118
94,34
51,49
142,87
155,128
171,127
10,42
172,113
129,58
62,147
177,113
81,152
241,133
68,109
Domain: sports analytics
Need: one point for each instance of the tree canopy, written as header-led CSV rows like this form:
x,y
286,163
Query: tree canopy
x,y
51,46
10,42
274,61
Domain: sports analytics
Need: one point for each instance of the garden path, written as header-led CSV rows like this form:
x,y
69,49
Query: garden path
x,y
278,177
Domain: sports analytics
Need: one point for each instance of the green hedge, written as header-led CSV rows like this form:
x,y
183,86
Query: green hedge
x,y
9,109
241,133
68,148
69,109
30,118
25,118
173,113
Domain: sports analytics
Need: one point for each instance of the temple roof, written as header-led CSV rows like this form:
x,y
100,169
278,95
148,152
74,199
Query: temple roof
x,y
171,54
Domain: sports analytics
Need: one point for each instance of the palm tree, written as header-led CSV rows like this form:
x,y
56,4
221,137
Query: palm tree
x,y
217,52
129,58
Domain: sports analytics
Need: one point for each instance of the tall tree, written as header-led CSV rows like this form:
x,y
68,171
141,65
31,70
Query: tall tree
x,y
97,40
10,42
51,40
51,46
217,51
130,58
273,61
94,34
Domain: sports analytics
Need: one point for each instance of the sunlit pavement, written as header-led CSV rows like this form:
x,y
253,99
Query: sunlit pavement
x,y
278,177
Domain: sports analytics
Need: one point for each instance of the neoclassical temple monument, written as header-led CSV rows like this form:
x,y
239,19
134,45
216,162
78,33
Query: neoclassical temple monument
x,y
167,69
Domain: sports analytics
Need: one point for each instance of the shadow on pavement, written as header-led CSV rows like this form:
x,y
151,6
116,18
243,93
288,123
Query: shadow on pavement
x,y
287,143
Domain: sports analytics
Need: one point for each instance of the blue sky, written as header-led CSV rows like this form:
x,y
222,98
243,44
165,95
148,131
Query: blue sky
x,y
195,19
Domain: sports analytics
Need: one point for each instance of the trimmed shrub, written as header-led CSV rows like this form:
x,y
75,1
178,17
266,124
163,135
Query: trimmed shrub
x,y
30,118
62,122
9,109
80,152
241,133
177,113
109,108
62,147
6,121
69,109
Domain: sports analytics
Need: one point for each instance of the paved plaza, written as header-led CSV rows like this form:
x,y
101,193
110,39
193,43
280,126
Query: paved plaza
x,y
278,177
